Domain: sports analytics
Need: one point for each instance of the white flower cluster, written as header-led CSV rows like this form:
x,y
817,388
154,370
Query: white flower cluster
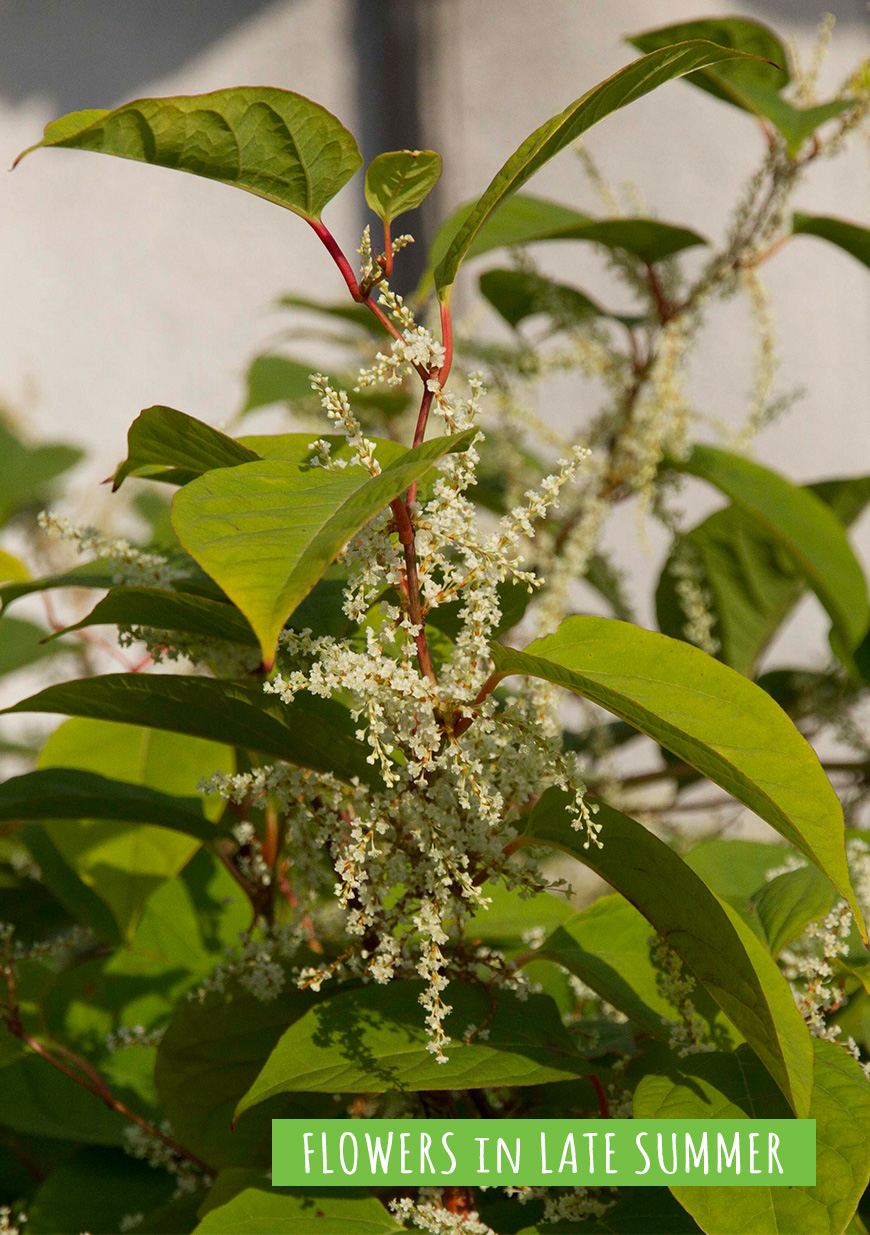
x,y
564,1205
133,1035
10,1225
139,1143
675,984
429,1214
133,565
695,598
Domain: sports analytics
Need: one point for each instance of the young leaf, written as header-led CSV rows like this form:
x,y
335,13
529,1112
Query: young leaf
x,y
718,1086
266,532
400,181
713,942
850,237
172,611
373,1040
630,83
68,793
712,718
264,1210
805,527
316,733
161,438
788,904
270,142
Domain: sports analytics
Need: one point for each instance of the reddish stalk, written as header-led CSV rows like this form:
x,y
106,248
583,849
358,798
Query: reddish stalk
x,y
601,1095
447,340
415,608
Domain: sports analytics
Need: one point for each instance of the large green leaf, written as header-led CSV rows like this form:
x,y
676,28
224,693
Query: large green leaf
x,y
41,1101
710,937
172,611
94,1190
752,580
608,946
266,532
259,1209
374,1041
267,141
737,1087
162,438
315,733
124,862
508,916
68,793
209,1058
851,237
713,718
400,180
630,83
805,527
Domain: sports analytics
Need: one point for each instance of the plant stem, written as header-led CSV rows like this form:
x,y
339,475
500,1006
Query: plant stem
x,y
415,609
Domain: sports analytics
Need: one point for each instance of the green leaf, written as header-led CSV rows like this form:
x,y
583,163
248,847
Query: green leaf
x,y
788,904
208,1060
713,942
67,793
712,718
12,569
270,142
608,947
752,580
124,862
807,529
40,1101
735,869
315,733
736,1087
520,294
173,611
281,379
26,472
265,1210
851,237
630,83
21,644
650,1210
87,574
266,532
509,917
400,181
769,65
373,1040
68,889
93,1190
161,438
354,314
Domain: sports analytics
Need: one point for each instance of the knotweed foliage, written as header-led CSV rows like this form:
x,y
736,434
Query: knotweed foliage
x,y
310,853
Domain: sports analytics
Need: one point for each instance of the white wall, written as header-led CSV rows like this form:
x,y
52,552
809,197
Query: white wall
x,y
125,285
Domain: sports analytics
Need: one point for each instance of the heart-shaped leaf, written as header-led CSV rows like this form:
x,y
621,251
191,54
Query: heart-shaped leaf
x,y
266,532
713,718
713,942
630,83
400,181
803,525
270,142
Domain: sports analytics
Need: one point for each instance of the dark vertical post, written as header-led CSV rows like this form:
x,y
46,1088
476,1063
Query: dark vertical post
x,y
386,40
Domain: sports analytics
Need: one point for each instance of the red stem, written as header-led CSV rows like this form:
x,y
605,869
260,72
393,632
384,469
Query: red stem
x,y
601,1095
447,340
415,610
334,250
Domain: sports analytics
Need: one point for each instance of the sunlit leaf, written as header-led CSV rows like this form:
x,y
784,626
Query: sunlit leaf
x,y
162,438
267,141
400,181
711,717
